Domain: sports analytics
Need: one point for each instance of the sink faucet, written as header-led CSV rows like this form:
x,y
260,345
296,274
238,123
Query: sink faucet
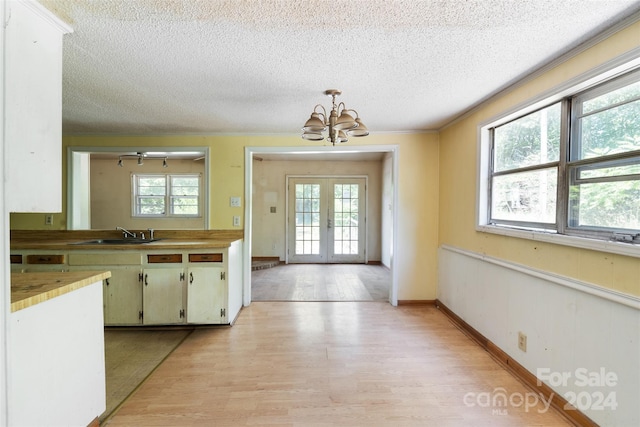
x,y
126,233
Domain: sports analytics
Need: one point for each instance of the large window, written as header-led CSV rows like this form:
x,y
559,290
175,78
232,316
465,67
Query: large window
x,y
165,195
570,167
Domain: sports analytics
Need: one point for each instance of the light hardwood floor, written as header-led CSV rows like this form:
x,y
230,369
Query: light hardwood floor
x,y
331,364
321,282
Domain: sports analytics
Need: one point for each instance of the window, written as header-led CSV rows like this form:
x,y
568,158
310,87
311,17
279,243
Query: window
x,y
163,195
571,167
525,169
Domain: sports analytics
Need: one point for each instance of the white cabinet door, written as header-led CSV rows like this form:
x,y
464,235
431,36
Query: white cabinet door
x,y
162,293
123,297
33,108
206,295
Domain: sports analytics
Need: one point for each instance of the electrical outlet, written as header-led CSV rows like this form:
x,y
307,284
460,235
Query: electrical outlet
x,y
48,219
522,342
236,221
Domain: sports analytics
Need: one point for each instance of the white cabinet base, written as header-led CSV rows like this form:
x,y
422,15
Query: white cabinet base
x,y
56,359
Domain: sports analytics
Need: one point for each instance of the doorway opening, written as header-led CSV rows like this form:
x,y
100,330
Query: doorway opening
x,y
265,209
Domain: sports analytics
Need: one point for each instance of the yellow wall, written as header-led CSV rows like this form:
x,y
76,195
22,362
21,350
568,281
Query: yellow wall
x,y
458,179
416,260
437,189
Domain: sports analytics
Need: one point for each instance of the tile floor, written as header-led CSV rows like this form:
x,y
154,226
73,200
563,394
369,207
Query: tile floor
x,y
131,355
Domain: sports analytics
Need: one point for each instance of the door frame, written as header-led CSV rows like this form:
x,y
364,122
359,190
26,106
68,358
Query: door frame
x,y
366,204
250,152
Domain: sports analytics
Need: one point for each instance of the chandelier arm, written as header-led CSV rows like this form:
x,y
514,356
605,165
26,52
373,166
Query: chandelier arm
x,y
351,109
323,114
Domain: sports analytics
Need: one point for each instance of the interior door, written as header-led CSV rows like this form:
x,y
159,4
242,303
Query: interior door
x,y
327,220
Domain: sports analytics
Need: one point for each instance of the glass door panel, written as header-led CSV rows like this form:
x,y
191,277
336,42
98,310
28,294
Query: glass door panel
x,y
307,232
346,232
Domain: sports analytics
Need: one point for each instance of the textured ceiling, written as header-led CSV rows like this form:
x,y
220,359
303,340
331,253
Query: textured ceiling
x,y
213,66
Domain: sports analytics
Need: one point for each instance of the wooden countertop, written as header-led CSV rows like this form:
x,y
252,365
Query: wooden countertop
x,y
28,289
76,244
169,239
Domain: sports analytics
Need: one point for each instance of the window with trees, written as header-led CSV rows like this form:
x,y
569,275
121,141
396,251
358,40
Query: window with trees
x,y
571,167
166,195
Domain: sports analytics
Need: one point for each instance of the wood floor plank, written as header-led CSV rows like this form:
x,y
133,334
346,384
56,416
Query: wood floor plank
x,y
329,364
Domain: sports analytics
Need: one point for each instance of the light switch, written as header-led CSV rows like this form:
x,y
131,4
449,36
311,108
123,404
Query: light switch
x,y
235,202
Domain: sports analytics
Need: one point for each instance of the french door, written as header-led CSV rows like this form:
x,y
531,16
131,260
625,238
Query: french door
x,y
326,220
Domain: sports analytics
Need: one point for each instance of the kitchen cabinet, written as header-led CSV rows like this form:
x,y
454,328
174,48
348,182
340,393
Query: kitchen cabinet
x,y
33,107
122,297
206,295
148,286
122,292
163,296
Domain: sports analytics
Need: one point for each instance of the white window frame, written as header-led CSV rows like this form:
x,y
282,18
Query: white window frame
x,y
562,234
167,195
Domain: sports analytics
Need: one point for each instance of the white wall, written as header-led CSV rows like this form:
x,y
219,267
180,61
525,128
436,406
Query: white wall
x,y
570,325
5,278
269,189
111,194
386,238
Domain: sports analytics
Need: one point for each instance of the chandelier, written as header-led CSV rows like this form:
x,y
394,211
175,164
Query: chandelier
x,y
339,123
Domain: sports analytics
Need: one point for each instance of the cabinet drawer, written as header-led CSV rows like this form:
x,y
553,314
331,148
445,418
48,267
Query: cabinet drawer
x,y
205,257
102,258
45,259
16,259
167,258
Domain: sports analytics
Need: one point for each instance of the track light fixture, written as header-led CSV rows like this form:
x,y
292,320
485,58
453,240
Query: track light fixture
x,y
140,158
339,122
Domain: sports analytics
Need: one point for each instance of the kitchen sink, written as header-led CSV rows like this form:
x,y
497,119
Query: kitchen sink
x,y
128,241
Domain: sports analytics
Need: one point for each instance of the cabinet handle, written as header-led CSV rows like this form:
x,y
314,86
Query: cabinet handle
x,y
190,277
106,282
145,280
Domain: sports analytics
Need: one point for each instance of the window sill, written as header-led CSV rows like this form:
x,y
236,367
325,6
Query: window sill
x,y
628,249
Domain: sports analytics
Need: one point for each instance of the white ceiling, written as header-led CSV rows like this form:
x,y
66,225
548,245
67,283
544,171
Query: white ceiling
x,y
259,67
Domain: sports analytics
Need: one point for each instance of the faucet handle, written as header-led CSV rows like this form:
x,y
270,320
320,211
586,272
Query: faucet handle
x,y
151,230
